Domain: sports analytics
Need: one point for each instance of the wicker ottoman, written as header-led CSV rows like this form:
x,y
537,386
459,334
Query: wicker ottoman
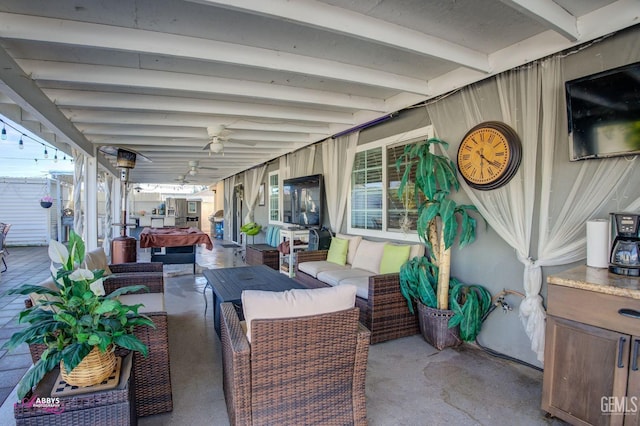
x,y
115,407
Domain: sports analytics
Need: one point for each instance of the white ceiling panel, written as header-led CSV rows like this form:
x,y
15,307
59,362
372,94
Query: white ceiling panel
x,y
269,77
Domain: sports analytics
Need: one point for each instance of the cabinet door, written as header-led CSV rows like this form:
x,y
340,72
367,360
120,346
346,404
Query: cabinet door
x,y
585,372
632,418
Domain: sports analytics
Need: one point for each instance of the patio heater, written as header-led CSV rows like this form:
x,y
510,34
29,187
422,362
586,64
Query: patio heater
x,y
123,248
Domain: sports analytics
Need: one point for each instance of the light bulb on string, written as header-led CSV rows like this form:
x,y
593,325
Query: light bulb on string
x,y
4,132
55,157
46,154
20,143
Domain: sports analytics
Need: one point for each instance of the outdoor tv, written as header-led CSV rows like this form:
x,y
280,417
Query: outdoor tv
x,y
302,200
604,113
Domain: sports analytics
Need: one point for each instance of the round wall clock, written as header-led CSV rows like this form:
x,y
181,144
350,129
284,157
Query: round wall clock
x,y
489,155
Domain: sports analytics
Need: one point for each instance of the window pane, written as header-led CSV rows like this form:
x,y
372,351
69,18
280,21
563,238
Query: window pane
x,y
274,198
402,214
366,190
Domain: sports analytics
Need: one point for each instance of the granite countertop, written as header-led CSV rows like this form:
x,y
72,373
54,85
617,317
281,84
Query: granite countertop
x,y
599,280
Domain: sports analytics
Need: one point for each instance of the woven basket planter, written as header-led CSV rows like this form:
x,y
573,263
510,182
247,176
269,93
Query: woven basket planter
x,y
434,325
92,370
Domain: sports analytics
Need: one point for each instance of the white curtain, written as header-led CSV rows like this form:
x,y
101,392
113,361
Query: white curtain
x,y
252,180
337,161
229,185
531,100
78,178
300,163
514,98
108,218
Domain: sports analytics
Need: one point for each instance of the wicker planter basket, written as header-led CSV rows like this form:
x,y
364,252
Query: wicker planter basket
x,y
434,325
93,369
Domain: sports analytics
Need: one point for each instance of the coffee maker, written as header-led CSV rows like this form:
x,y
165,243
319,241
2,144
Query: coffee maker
x,y
625,250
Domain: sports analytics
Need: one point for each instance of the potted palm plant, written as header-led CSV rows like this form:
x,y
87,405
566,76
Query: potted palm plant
x,y
78,324
449,310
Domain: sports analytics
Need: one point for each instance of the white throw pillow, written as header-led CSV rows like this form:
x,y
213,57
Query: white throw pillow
x,y
354,241
369,255
258,304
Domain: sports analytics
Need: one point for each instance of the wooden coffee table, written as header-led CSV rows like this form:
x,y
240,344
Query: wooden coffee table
x,y
228,284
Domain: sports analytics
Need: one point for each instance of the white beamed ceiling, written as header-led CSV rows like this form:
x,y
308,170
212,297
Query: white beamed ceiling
x,y
152,75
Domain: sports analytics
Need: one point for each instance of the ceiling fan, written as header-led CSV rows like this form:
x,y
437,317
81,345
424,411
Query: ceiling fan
x,y
182,180
194,166
218,135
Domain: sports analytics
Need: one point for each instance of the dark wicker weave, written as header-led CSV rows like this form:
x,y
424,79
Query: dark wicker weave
x,y
435,327
384,313
144,273
114,407
263,254
153,379
297,371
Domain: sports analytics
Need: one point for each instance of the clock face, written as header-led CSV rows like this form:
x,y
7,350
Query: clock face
x,y
489,155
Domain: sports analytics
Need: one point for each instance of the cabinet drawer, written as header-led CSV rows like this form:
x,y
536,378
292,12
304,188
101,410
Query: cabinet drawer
x,y
598,309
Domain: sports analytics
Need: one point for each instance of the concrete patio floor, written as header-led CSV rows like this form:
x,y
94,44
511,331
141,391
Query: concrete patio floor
x,y
408,381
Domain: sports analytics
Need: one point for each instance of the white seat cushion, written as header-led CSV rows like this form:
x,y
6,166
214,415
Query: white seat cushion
x,y
336,277
362,285
259,304
317,266
153,302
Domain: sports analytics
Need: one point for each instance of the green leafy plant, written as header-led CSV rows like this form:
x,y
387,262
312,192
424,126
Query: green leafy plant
x,y
76,316
440,221
469,302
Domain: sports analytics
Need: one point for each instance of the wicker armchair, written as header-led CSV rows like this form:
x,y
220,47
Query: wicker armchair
x,y
304,370
124,274
153,378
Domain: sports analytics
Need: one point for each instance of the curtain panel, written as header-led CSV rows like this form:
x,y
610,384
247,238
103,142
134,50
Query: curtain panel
x,y
252,180
337,161
78,178
532,101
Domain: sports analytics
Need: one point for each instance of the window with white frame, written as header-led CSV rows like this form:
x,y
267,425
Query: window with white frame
x,y
375,208
274,197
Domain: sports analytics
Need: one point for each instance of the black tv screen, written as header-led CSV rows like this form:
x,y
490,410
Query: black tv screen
x,y
604,113
302,200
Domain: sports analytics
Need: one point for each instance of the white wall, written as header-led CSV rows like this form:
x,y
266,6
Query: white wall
x,y
20,207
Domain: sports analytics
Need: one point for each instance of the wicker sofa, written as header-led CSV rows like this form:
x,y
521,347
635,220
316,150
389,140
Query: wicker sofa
x,y
383,309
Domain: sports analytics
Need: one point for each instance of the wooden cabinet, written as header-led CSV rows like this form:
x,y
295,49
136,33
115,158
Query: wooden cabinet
x,y
591,374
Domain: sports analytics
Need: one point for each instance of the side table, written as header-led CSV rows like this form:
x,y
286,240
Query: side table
x,y
113,407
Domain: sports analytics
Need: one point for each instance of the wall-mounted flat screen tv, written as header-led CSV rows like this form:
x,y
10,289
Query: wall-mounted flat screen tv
x,y
302,200
604,113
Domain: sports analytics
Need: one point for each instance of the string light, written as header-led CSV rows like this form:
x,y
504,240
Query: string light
x,y
4,135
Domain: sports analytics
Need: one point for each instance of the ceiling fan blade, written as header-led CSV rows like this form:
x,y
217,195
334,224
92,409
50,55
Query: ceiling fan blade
x,y
207,168
241,142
